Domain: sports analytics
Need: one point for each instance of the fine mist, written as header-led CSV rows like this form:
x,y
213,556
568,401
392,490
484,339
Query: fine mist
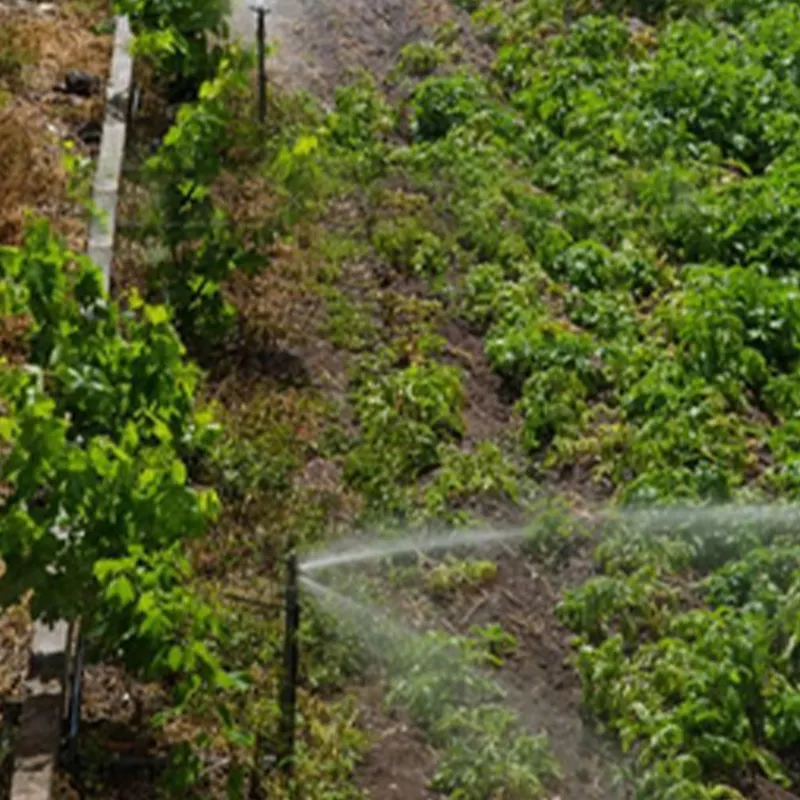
x,y
698,522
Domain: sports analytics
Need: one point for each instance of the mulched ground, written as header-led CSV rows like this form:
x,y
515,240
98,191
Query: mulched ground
x,y
41,109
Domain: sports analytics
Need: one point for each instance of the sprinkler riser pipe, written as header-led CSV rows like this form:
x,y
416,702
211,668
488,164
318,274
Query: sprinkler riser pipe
x,y
288,698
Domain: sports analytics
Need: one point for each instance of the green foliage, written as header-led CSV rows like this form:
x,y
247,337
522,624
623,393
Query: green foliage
x,y
200,242
179,38
405,415
694,702
489,753
98,429
632,606
553,528
442,103
409,246
419,59
469,476
97,436
497,643
552,403
244,468
614,208
348,324
357,130
155,623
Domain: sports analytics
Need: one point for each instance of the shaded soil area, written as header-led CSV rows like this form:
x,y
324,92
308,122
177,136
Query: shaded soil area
x,y
120,757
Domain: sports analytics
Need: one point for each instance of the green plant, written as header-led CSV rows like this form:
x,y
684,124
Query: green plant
x,y
496,642
614,207
404,417
179,38
201,245
97,436
438,685
552,528
442,103
469,476
409,246
454,575
419,59
98,428
489,752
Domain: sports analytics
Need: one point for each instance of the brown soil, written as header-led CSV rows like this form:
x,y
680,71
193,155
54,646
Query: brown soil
x,y
762,789
542,685
16,633
400,765
487,415
121,757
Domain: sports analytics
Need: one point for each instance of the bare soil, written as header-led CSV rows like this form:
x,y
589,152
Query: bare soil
x,y
400,764
317,44
541,683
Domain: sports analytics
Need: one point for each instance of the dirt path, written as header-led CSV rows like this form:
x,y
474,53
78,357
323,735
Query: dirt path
x,y
318,43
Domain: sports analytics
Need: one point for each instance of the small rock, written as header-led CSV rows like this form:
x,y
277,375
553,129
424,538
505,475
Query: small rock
x,y
80,83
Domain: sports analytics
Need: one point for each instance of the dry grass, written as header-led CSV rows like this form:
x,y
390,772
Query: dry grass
x,y
31,175
35,120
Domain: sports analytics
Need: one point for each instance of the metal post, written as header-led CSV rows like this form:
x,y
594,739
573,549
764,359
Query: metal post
x,y
261,37
290,666
76,697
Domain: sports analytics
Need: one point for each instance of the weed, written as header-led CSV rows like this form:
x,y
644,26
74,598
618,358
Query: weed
x,y
409,246
419,59
498,644
348,325
453,576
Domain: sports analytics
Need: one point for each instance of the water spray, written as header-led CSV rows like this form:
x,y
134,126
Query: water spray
x,y
656,520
